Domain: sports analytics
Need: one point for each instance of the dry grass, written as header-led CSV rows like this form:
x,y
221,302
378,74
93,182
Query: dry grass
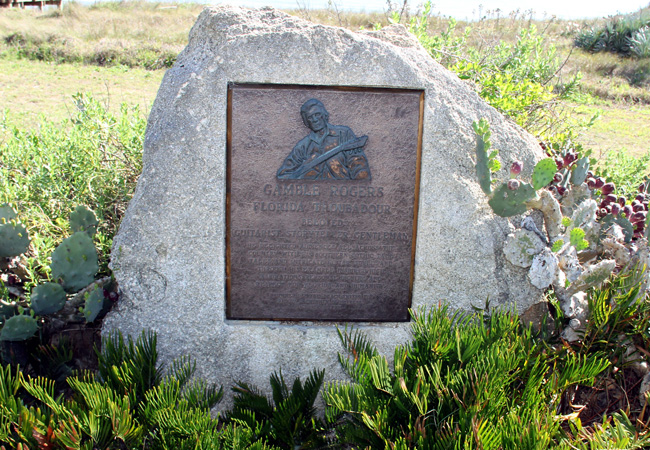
x,y
148,35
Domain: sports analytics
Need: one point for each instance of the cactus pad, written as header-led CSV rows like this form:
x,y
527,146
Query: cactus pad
x,y
83,219
544,173
74,262
482,160
94,304
14,239
13,235
6,311
506,203
18,328
628,228
7,213
579,174
47,298
593,276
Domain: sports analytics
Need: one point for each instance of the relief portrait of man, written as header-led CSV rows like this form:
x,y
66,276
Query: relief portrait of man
x,y
327,152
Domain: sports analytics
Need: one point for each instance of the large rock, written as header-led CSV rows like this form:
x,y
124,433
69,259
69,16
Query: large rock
x,y
169,254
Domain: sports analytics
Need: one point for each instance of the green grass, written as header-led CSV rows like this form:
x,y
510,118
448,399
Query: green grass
x,y
618,128
35,88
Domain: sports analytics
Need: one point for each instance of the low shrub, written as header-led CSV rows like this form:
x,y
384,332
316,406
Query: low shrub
x,y
462,382
92,159
519,79
289,419
128,404
625,171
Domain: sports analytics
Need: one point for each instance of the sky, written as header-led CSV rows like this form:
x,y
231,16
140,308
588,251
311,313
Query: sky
x,y
469,9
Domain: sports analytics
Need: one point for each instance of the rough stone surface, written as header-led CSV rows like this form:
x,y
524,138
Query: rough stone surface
x,y
538,317
522,246
577,306
169,254
569,263
544,269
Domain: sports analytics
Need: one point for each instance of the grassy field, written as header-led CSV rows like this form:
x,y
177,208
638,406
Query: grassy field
x,y
38,88
118,52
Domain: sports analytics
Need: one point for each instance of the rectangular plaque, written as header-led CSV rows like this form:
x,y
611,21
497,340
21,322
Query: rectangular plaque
x,y
321,202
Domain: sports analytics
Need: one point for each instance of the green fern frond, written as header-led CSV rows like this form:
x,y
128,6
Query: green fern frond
x,y
130,366
53,360
9,383
11,406
43,390
279,387
249,398
182,370
201,394
359,351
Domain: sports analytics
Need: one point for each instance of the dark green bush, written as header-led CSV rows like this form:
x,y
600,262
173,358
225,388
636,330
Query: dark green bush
x,y
520,80
289,420
130,404
461,382
627,35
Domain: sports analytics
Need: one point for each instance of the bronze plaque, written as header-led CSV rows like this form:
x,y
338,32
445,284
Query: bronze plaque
x,y
322,202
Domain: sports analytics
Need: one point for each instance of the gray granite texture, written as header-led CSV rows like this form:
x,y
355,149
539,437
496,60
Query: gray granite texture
x,y
169,254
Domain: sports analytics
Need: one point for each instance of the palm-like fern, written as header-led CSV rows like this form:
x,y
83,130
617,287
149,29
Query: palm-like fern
x,y
289,419
461,382
130,405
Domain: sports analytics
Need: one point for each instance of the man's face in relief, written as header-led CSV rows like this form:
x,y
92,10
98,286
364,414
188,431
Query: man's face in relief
x,y
316,118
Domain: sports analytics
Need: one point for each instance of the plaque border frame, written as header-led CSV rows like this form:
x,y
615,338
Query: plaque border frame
x,y
416,197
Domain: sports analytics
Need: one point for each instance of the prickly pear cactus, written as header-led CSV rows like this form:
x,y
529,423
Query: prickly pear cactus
x,y
7,213
593,276
6,311
13,235
507,202
482,163
94,304
83,219
626,225
579,174
18,328
74,262
543,173
47,298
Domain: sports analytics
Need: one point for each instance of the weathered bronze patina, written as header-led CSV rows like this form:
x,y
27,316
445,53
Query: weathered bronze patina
x,y
321,226
329,152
